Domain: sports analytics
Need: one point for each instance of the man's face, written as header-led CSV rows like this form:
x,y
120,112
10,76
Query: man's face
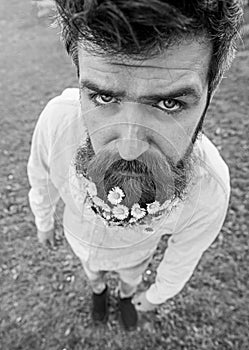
x,y
134,107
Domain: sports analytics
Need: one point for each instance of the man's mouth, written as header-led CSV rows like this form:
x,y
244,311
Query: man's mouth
x,y
128,174
150,178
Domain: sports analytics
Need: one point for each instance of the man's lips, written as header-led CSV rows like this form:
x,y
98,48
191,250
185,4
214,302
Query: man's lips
x,y
128,174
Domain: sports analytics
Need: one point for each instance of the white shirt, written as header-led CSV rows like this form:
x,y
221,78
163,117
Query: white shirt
x,y
192,226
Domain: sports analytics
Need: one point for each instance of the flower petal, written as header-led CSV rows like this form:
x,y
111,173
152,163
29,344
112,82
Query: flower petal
x,y
92,189
137,212
120,212
153,208
97,201
115,195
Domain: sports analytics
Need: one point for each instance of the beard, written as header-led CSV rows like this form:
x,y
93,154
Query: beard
x,y
149,178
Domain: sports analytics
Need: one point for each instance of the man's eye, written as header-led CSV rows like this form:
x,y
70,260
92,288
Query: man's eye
x,y
170,105
104,99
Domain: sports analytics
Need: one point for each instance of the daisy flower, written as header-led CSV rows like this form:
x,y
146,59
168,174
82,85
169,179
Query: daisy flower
x,y
107,216
137,211
153,208
120,212
173,204
166,204
132,220
97,201
106,207
92,189
115,195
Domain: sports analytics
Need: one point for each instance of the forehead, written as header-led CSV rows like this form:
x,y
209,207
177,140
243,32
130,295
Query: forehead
x,y
185,62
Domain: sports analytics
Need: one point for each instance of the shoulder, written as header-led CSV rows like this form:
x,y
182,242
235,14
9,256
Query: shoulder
x,y
62,115
69,96
209,193
213,171
61,109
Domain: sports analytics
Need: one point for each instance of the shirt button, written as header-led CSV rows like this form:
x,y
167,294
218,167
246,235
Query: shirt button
x,y
148,229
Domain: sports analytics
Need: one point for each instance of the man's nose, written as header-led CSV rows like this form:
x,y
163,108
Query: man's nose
x,y
132,140
130,149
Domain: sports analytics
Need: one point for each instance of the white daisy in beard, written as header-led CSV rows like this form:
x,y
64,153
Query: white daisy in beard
x,y
153,208
99,202
106,208
106,215
91,189
115,195
137,212
120,212
166,204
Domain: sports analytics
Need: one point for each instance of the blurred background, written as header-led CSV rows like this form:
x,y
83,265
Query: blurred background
x,y
44,295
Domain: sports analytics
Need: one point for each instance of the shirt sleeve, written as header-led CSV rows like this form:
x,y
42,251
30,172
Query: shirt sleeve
x,y
186,246
43,195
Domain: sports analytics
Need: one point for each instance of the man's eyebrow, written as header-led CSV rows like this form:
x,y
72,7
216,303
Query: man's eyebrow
x,y
87,84
188,91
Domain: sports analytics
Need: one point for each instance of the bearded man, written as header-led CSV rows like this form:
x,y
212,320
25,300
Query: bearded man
x,y
125,151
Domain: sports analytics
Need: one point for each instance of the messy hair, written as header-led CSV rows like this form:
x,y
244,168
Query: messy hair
x,y
143,28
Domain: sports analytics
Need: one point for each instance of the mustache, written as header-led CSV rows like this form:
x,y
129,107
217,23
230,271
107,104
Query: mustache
x,y
150,177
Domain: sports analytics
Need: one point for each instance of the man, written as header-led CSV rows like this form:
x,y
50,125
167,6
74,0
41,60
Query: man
x,y
126,151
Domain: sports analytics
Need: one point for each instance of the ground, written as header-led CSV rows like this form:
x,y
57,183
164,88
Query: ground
x,y
45,296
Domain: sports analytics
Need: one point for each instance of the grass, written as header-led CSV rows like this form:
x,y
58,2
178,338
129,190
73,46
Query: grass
x,y
45,296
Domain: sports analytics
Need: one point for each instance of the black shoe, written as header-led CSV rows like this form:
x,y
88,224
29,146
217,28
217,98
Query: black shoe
x,y
100,306
128,314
